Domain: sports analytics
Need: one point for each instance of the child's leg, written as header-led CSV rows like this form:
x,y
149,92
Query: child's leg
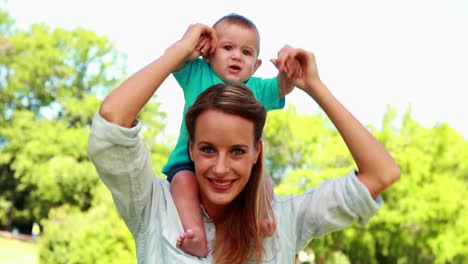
x,y
184,190
268,225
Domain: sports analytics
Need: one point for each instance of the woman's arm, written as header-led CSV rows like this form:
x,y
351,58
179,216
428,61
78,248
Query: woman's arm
x,y
124,103
377,169
114,147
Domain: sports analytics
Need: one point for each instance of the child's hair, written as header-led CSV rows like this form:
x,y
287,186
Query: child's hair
x,y
244,240
241,21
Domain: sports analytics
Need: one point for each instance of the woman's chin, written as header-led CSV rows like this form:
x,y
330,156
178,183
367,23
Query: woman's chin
x,y
221,199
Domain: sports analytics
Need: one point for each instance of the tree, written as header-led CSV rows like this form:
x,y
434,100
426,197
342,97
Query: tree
x,y
97,236
299,141
51,79
52,83
423,219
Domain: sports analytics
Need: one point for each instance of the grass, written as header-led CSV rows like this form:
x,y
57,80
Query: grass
x,y
14,251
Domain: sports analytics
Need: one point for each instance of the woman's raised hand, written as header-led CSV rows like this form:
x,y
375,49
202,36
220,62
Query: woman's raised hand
x,y
199,40
301,68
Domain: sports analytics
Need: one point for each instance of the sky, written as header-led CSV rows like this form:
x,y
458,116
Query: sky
x,y
370,54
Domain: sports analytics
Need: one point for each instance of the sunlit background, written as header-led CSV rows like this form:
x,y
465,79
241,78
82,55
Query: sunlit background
x,y
370,53
408,55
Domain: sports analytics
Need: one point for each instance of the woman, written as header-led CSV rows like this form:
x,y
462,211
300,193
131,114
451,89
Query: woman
x,y
225,126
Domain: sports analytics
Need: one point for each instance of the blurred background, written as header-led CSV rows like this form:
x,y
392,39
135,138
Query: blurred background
x,y
401,67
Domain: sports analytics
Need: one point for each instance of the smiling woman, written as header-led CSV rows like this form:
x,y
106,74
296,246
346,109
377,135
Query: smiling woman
x,y
225,144
225,125
224,159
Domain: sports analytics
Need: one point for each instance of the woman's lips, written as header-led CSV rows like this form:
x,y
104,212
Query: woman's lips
x,y
221,185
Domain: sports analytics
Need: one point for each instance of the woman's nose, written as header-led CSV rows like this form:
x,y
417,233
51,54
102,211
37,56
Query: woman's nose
x,y
221,167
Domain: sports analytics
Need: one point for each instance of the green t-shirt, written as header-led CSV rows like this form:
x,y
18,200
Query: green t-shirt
x,y
196,77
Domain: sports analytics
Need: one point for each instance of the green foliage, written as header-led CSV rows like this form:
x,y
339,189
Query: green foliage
x,y
301,141
47,66
48,163
97,236
424,208
51,80
423,219
51,83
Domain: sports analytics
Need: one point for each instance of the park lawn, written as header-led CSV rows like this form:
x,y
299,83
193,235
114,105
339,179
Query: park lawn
x,y
14,251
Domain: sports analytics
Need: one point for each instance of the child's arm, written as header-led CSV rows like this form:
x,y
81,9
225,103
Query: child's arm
x,y
124,103
286,71
285,84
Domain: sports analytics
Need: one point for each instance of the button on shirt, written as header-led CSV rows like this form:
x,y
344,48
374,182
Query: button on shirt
x,y
145,203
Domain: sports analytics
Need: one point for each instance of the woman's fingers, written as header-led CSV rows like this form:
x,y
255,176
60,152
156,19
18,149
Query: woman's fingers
x,y
203,45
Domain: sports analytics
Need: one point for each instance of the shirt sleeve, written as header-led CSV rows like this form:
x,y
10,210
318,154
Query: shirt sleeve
x,y
123,164
333,205
189,76
267,92
183,75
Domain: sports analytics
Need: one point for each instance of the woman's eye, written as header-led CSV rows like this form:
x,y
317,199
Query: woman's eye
x,y
207,149
238,151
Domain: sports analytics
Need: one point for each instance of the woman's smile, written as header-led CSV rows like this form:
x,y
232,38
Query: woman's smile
x,y
224,153
221,185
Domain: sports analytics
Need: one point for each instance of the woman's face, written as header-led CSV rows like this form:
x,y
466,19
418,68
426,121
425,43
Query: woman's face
x,y
223,152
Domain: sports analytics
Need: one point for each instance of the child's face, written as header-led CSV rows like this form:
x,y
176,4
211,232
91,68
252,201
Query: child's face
x,y
235,57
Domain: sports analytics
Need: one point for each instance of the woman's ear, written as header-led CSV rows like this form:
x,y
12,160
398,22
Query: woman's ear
x,y
190,149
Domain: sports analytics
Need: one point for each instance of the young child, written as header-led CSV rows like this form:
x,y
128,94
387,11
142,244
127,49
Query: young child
x,y
230,51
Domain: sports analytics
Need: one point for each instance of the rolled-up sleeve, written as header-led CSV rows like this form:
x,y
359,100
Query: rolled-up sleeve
x,y
124,166
332,206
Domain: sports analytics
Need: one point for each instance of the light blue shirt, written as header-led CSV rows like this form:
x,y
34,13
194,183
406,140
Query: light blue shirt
x,y
146,205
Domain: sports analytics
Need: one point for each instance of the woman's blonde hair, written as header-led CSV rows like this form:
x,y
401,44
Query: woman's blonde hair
x,y
244,240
